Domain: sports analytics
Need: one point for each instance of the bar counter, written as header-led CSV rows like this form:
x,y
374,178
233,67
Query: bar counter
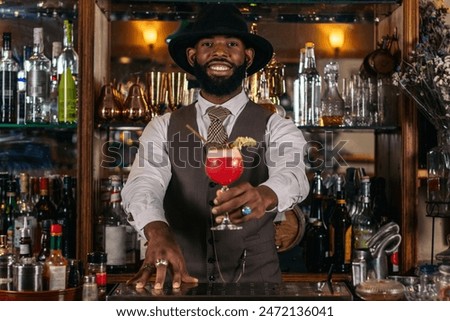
x,y
294,287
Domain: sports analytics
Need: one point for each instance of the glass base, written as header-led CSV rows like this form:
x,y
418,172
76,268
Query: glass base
x,y
226,226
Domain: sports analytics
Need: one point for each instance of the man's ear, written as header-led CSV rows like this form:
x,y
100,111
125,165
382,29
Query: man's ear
x,y
190,54
249,55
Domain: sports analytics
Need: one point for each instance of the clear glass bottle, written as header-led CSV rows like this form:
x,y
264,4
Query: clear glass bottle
x,y
8,83
25,242
264,95
22,85
38,81
53,100
299,89
97,266
90,289
333,106
312,87
66,214
115,230
68,78
364,224
55,267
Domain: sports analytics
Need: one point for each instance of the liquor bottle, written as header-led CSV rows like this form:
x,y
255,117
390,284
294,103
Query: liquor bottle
x,y
317,239
34,190
44,250
3,245
68,83
11,212
25,243
115,230
26,211
8,83
333,106
312,90
53,100
264,96
340,229
299,89
3,179
364,224
317,190
45,209
55,267
22,85
67,217
38,81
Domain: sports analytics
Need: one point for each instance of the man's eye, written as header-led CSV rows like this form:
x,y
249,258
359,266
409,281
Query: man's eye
x,y
206,44
233,44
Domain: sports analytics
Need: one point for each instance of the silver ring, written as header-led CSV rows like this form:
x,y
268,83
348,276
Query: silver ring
x,y
161,262
246,210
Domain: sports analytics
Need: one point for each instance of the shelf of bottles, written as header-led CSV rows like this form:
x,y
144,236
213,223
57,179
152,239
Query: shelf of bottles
x,y
285,11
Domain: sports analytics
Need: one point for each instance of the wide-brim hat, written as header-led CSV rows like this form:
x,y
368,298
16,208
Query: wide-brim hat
x,y
219,19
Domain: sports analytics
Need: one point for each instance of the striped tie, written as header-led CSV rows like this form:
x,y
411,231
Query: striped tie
x,y
216,131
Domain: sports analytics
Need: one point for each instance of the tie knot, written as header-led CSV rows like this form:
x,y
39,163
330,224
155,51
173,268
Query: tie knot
x,y
217,113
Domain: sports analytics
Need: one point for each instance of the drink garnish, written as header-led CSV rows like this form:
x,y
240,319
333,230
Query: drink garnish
x,y
242,141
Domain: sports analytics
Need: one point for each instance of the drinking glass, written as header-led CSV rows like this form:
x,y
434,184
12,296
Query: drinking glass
x,y
224,166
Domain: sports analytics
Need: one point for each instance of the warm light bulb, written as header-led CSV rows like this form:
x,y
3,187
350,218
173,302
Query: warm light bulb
x,y
150,36
336,38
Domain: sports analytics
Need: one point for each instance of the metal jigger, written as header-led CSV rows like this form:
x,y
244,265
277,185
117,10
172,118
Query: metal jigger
x,y
109,107
136,106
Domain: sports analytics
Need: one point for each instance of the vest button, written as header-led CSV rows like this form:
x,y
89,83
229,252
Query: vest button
x,y
212,184
212,278
211,260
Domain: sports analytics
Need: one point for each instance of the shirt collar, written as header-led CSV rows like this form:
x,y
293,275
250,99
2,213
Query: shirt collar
x,y
235,104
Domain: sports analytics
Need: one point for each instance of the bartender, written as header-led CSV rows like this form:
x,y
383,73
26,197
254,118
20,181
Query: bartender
x,y
169,198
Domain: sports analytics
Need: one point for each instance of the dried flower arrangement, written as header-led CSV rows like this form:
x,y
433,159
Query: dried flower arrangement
x,y
425,75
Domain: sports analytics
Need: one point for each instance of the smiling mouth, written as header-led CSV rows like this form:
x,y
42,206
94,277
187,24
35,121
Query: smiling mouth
x,y
219,66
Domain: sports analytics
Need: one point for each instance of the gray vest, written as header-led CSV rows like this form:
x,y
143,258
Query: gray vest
x,y
213,256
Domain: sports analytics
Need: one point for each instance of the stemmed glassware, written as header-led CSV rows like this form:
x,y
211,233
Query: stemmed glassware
x,y
224,166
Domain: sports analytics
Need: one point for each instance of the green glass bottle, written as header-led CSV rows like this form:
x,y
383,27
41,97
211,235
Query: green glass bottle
x,y
68,73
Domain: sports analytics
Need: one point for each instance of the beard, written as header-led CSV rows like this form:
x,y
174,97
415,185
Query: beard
x,y
219,86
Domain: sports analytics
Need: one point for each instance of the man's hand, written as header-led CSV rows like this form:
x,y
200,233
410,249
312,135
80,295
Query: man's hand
x,y
162,253
258,199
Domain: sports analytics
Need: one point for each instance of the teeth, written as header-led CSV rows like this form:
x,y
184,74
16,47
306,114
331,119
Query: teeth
x,y
219,67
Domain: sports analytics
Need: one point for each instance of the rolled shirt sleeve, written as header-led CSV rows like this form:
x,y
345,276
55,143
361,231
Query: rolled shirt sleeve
x,y
143,193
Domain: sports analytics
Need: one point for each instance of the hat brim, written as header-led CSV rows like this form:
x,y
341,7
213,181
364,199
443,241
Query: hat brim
x,y
263,48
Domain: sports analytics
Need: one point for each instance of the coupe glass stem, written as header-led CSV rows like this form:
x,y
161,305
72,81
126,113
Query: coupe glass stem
x,y
226,223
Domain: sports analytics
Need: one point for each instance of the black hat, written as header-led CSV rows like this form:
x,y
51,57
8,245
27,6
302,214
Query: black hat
x,y
219,19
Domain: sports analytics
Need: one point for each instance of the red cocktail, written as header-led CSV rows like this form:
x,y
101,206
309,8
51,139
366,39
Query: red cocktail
x,y
224,166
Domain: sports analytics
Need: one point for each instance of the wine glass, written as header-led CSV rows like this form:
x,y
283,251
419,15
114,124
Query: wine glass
x,y
224,166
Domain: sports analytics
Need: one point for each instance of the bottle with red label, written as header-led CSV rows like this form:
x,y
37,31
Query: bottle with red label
x,y
97,266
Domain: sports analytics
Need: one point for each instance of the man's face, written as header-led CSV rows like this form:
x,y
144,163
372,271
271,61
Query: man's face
x,y
220,63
